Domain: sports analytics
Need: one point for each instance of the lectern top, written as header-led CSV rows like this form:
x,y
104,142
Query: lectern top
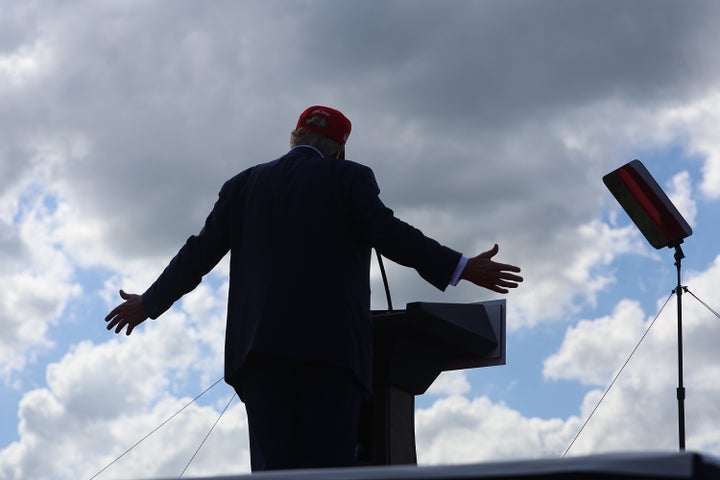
x,y
413,346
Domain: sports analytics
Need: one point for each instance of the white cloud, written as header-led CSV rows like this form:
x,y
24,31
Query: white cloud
x,y
640,410
39,282
680,194
697,123
581,270
102,398
57,445
450,383
170,449
24,65
462,430
593,350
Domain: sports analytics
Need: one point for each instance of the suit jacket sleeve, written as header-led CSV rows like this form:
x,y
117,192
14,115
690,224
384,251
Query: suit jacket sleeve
x,y
397,240
197,257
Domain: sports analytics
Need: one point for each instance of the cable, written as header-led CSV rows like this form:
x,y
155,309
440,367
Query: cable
x,y
616,377
385,280
155,429
703,303
206,437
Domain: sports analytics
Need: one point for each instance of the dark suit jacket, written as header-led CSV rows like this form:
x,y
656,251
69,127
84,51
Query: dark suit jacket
x,y
300,230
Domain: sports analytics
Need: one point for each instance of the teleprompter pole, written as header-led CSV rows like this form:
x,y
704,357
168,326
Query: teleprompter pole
x,y
680,389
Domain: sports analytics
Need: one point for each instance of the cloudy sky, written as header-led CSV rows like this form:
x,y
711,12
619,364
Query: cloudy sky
x,y
484,121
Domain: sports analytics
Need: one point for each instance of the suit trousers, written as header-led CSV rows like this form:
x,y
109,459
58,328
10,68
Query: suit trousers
x,y
300,414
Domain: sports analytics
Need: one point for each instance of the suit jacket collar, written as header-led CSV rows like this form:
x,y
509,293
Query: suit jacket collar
x,y
310,147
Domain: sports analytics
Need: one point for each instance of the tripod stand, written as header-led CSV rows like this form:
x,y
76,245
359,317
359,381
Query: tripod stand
x,y
679,255
663,226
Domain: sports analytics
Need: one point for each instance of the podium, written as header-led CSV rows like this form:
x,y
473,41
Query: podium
x,y
411,348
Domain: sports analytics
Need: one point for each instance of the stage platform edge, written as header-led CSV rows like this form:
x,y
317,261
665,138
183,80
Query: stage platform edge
x,y
616,466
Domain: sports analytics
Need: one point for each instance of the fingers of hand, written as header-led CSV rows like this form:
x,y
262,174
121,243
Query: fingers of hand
x,y
130,327
506,284
116,320
511,276
114,312
120,322
112,321
507,267
122,325
503,281
498,289
119,317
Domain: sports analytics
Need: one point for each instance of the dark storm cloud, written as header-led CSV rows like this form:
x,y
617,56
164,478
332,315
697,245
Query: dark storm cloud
x,y
175,97
499,61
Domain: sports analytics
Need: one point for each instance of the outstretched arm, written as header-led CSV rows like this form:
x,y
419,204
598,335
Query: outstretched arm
x,y
483,271
131,313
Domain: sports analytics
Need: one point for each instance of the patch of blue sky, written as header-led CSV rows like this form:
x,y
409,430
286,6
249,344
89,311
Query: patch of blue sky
x,y
50,203
33,194
83,317
519,383
10,394
9,402
666,162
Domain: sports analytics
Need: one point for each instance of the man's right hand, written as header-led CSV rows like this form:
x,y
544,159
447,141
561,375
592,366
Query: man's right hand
x,y
484,272
130,313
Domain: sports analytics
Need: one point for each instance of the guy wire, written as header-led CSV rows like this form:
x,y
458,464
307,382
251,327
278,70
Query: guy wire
x,y
206,436
607,390
703,303
156,429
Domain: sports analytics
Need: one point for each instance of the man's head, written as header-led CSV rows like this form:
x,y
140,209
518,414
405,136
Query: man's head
x,y
324,128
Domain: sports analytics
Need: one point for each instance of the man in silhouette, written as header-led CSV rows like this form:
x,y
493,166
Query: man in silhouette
x,y
298,348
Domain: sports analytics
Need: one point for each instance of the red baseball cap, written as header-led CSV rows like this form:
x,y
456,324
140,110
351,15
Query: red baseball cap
x,y
338,127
